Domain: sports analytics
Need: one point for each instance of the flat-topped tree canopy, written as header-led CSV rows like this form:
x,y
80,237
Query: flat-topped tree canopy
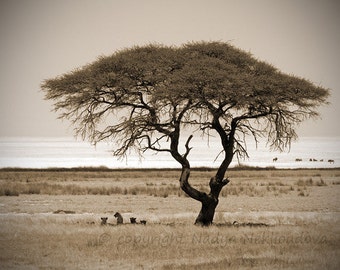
x,y
142,97
159,86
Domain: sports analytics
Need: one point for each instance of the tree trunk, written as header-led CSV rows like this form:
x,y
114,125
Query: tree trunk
x,y
206,215
210,201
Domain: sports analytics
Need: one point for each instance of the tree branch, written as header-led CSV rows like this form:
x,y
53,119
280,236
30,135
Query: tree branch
x,y
188,189
187,147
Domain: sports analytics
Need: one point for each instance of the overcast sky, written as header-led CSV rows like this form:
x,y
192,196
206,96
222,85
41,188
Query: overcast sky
x,y
41,39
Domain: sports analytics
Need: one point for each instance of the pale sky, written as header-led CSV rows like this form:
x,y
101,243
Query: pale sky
x,y
41,39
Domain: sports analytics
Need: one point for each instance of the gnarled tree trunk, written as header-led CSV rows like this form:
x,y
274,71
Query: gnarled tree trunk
x,y
206,215
209,201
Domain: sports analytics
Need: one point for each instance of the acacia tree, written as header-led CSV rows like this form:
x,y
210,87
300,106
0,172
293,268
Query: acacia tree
x,y
143,97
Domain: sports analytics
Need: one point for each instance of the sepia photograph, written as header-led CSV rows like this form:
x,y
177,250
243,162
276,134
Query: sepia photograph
x,y
160,134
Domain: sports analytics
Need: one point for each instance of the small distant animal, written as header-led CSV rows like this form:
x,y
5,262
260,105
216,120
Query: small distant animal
x,y
298,159
143,222
133,220
119,218
275,159
321,160
104,220
331,161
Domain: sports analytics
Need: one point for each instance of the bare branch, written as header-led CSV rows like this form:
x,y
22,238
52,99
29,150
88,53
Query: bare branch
x,y
188,149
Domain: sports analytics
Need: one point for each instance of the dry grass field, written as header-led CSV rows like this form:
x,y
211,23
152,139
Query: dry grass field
x,y
285,219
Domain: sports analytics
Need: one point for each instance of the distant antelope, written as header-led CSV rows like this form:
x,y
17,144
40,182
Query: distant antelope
x,y
119,218
298,159
143,222
104,220
275,159
331,161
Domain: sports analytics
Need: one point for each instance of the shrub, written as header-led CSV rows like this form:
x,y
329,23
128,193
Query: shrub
x,y
33,190
301,193
8,192
321,183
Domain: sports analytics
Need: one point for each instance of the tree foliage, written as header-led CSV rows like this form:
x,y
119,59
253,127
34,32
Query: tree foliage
x,y
140,96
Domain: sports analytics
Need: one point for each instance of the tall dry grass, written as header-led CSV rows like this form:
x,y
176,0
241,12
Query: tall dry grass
x,y
41,240
159,183
46,242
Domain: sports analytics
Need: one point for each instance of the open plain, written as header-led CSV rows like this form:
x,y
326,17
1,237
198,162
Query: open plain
x,y
266,219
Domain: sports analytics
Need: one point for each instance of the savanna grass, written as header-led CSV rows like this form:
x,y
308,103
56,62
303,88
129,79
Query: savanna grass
x,y
159,183
42,240
47,242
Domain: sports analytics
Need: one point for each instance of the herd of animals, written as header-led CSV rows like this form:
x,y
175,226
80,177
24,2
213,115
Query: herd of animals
x,y
331,161
120,220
